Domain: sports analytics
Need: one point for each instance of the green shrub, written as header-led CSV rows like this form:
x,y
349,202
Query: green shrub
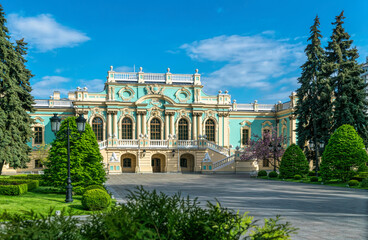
x,y
13,189
273,174
293,162
79,190
364,183
19,176
297,177
311,173
343,153
90,187
262,173
34,176
314,179
352,183
363,174
32,184
96,199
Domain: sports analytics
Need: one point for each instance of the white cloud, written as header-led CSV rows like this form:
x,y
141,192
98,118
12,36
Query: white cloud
x,y
45,87
43,32
94,85
252,61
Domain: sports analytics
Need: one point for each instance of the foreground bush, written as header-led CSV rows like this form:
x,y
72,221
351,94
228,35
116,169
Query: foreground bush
x,y
297,177
96,199
364,183
13,189
262,173
90,187
148,215
293,162
273,174
314,179
353,183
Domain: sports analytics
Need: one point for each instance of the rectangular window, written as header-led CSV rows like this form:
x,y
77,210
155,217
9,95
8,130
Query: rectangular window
x,y
127,163
38,135
266,133
38,163
245,137
266,163
183,162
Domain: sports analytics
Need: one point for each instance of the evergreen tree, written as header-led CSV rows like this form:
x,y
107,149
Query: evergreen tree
x,y
86,167
15,101
350,104
293,162
314,109
344,154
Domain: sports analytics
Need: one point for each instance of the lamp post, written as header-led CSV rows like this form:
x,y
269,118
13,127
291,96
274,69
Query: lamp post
x,y
274,149
315,148
55,127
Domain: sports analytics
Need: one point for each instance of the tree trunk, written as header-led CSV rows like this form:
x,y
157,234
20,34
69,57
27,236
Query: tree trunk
x,y
1,166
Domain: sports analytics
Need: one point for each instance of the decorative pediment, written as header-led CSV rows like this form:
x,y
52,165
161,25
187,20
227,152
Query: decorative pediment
x,y
126,111
207,158
267,123
126,93
183,95
40,120
209,113
155,89
246,122
183,112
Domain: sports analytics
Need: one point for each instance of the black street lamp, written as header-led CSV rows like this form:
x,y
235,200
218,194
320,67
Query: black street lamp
x,y
316,148
55,127
274,149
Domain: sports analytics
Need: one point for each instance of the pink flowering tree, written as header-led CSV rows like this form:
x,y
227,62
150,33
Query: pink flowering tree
x,y
269,146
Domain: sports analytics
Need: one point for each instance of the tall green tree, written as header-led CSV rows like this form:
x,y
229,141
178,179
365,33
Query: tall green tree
x,y
86,167
350,103
16,101
314,109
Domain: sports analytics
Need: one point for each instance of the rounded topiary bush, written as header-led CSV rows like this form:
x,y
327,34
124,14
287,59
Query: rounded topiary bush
x,y
293,162
90,187
262,173
364,183
96,199
352,183
297,177
314,179
273,174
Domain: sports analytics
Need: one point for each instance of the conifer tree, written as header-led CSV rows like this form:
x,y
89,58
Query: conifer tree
x,y
313,110
350,103
15,101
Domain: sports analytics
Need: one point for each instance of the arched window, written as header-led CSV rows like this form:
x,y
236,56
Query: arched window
x,y
210,130
97,127
183,129
126,129
245,136
155,129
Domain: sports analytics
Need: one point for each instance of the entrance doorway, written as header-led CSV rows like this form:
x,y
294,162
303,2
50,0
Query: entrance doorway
x,y
156,165
128,163
187,162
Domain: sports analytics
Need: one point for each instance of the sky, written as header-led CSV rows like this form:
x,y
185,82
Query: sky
x,y
253,49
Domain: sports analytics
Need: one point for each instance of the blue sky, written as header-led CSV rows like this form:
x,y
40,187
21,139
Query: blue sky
x,y
252,48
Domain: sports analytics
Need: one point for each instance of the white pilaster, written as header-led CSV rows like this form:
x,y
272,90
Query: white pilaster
x,y
194,127
172,124
144,119
167,126
115,121
139,130
109,134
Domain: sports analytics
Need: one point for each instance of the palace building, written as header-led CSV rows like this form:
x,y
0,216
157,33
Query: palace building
x,y
164,122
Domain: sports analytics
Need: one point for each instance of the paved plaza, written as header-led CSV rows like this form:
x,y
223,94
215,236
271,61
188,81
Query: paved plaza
x,y
320,212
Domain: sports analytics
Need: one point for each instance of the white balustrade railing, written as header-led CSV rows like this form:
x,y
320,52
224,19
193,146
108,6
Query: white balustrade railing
x,y
224,162
126,76
242,106
286,105
62,103
102,144
266,107
127,143
154,77
41,103
187,143
182,78
158,143
217,148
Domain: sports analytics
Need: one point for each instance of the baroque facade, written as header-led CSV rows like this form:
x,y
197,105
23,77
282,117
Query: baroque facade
x,y
151,122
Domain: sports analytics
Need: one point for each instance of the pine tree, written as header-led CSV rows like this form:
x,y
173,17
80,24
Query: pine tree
x,y
15,101
314,109
350,104
85,158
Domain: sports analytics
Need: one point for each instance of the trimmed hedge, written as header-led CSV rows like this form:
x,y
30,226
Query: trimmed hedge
x,y
262,173
314,179
273,174
297,177
352,183
96,199
311,173
90,187
364,183
32,184
13,189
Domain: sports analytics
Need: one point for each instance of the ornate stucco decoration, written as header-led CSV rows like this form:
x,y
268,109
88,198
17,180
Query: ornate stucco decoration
x,y
209,113
126,93
207,158
267,122
155,89
39,119
183,112
183,95
156,102
246,122
114,158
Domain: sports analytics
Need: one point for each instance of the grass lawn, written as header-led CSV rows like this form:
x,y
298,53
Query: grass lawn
x,y
40,200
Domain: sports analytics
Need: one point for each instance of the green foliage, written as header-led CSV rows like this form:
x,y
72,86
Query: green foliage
x,y
364,183
343,153
353,183
314,179
90,187
297,177
293,162
311,173
13,188
272,229
32,184
96,199
273,174
16,101
85,158
262,173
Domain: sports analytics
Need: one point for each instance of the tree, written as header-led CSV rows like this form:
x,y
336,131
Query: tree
x,y
343,155
293,162
350,104
86,166
259,148
313,109
16,101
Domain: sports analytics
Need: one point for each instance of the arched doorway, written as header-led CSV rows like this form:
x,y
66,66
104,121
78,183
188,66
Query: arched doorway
x,y
187,162
158,163
128,163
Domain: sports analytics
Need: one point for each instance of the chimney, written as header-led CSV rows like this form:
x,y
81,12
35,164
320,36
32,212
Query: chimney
x,y
56,95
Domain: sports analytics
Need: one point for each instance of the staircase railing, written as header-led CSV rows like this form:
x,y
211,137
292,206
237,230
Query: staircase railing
x,y
217,148
223,162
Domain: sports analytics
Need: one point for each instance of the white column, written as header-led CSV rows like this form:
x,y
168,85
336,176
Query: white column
x,y
109,125
167,126
220,133
144,130
172,124
115,121
139,131
200,125
194,127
